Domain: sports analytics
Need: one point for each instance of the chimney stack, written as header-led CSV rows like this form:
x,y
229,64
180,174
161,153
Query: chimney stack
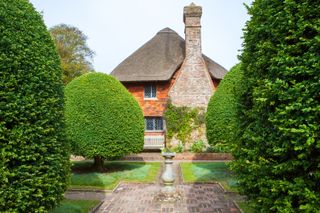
x,y
191,18
193,86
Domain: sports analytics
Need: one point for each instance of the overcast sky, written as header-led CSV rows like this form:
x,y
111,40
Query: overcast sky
x,y
116,28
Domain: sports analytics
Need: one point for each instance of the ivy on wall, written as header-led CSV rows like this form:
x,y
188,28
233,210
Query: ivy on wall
x,y
180,121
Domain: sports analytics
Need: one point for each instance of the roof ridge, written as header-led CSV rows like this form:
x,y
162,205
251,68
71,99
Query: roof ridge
x,y
167,30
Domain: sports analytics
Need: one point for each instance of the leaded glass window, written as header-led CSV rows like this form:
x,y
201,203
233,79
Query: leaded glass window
x,y
153,123
150,91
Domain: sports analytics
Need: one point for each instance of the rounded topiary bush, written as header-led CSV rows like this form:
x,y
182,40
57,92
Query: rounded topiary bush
x,y
34,162
222,122
104,121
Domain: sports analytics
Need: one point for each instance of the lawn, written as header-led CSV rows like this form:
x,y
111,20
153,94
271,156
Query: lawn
x,y
209,172
75,206
83,178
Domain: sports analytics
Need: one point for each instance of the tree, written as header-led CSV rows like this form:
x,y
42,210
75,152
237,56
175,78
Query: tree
x,y
278,153
74,52
222,124
34,160
104,121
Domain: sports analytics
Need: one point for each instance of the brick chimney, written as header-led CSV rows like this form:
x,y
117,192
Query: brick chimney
x,y
191,18
193,86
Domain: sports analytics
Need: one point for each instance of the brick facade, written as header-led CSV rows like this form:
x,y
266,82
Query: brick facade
x,y
151,107
155,107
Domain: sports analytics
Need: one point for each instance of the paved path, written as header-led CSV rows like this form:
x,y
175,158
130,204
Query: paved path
x,y
140,198
87,195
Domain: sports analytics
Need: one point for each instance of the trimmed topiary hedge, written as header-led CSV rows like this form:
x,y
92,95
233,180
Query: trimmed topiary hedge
x,y
34,162
104,121
278,154
222,123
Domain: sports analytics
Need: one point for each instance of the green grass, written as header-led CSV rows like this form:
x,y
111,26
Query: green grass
x,y
116,171
208,173
75,206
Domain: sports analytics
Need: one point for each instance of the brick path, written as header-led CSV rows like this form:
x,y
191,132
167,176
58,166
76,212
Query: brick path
x,y
139,198
87,195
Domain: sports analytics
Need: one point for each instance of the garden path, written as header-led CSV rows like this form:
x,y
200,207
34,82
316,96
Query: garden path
x,y
139,198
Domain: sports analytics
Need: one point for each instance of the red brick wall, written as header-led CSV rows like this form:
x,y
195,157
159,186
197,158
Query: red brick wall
x,y
154,107
157,106
150,107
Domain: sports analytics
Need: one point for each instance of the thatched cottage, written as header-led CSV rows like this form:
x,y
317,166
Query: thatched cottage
x,y
170,68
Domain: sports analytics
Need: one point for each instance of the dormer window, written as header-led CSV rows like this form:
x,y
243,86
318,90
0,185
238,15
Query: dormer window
x,y
150,92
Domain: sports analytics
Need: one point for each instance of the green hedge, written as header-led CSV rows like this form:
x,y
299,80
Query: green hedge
x,y
103,118
278,154
34,163
222,123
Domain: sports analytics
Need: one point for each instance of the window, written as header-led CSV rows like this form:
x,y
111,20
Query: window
x,y
150,91
153,123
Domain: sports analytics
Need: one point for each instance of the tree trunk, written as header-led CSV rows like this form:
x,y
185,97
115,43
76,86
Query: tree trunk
x,y
98,164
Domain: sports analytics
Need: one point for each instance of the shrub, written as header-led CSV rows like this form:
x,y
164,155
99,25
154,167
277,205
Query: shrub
x,y
198,146
104,121
178,148
222,123
218,148
278,153
34,162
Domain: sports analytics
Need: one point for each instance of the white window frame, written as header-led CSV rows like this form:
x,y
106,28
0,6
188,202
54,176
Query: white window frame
x,y
154,124
153,91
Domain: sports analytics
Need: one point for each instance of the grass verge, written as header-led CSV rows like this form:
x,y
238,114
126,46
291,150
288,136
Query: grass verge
x,y
209,173
83,178
75,206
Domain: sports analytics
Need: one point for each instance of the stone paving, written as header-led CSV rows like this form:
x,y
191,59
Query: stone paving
x,y
87,195
139,198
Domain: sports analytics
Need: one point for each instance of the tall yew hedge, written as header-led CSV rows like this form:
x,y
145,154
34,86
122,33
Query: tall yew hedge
x,y
222,123
278,154
104,121
34,162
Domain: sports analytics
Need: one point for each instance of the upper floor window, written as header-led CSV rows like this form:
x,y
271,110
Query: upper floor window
x,y
150,91
154,123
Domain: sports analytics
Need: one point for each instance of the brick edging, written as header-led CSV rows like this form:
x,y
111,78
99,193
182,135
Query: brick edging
x,y
203,156
180,156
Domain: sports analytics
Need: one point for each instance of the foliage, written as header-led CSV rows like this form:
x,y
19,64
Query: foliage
x,y
34,162
218,148
76,56
167,150
246,206
103,118
75,206
198,146
209,173
178,148
118,171
181,120
278,153
222,124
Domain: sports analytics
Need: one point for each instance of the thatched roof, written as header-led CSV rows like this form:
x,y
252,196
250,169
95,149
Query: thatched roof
x,y
158,59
